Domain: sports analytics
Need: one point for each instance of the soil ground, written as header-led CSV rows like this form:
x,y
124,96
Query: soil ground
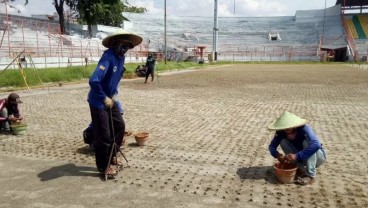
x,y
208,142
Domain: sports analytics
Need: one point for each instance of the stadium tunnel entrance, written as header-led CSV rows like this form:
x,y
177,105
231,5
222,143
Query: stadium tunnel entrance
x,y
340,53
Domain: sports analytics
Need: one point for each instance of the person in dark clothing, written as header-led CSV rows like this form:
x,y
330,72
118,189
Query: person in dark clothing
x,y
88,132
141,71
300,145
104,84
150,65
9,112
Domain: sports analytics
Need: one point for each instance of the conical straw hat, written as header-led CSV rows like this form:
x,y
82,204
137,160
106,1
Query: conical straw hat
x,y
121,34
287,121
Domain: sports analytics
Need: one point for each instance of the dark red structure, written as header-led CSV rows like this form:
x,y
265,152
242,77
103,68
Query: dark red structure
x,y
353,4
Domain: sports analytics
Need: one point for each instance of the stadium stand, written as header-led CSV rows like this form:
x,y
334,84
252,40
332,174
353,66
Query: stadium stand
x,y
304,36
355,21
359,27
248,38
363,19
351,27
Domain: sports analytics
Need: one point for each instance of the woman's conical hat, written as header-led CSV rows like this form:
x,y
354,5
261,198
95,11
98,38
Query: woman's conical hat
x,y
287,121
121,34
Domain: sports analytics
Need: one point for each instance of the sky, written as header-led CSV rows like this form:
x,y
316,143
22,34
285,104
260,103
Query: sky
x,y
226,8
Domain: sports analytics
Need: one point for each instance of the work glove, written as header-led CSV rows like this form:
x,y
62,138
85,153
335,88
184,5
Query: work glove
x,y
108,102
281,157
114,97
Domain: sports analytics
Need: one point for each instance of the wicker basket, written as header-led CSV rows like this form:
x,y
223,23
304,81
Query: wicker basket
x,y
19,129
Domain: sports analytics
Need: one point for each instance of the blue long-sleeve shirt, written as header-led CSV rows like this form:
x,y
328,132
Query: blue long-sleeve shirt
x,y
104,81
302,133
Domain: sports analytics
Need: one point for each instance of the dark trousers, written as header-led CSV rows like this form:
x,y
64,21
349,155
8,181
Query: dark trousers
x,y
150,71
102,131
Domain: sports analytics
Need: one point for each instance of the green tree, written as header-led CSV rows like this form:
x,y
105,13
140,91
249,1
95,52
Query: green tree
x,y
128,8
106,12
59,6
92,12
134,9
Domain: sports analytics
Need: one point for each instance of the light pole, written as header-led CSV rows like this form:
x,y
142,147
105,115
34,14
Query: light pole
x,y
165,35
323,25
215,33
234,6
7,24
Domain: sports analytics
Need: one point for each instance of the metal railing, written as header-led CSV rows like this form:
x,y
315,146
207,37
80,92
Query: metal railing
x,y
48,48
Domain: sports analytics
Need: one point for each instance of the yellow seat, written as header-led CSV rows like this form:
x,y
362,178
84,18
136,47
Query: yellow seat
x,y
351,28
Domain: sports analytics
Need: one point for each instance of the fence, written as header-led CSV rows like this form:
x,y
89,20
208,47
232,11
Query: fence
x,y
48,48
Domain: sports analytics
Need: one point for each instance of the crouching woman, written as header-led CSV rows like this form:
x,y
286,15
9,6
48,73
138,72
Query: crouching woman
x,y
299,144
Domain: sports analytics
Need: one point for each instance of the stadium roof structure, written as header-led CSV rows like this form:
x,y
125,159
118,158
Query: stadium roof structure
x,y
353,4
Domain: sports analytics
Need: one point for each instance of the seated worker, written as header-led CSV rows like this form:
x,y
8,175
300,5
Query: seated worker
x,y
141,70
299,144
9,112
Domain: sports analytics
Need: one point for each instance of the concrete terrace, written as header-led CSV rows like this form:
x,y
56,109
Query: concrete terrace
x,y
240,38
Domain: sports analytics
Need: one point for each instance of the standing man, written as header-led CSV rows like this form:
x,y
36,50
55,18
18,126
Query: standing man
x,y
9,112
104,84
150,64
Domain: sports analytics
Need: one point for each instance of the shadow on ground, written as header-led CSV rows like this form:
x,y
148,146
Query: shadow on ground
x,y
67,170
257,173
86,151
